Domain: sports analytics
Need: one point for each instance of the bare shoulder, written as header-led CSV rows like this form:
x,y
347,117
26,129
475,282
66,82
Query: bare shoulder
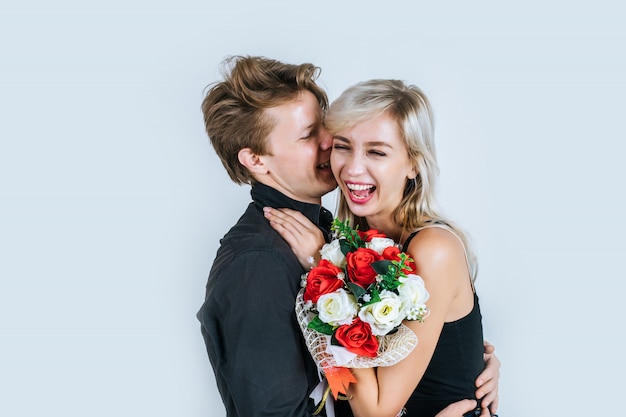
x,y
440,260
436,247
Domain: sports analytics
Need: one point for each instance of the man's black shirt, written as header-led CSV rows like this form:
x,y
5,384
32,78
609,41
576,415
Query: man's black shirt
x,y
259,358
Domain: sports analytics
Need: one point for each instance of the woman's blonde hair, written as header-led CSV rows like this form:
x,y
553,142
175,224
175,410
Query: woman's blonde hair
x,y
411,110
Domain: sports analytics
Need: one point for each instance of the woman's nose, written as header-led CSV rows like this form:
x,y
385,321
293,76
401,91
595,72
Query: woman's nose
x,y
354,164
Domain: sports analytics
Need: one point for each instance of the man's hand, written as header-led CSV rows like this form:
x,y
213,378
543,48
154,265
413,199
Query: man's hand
x,y
487,382
458,408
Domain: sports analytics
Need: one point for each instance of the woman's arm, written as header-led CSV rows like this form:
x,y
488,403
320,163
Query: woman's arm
x,y
440,261
305,239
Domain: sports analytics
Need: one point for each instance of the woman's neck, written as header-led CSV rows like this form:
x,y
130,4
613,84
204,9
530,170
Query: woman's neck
x,y
388,227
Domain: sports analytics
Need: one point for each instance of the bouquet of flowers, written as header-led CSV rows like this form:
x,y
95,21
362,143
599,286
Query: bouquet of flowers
x,y
354,301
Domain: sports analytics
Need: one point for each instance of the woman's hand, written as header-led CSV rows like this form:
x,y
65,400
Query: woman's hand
x,y
487,381
304,238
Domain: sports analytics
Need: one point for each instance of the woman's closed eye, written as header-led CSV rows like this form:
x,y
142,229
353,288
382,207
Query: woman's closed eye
x,y
376,152
340,146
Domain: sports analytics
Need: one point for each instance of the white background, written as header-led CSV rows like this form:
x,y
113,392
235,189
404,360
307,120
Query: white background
x,y
112,201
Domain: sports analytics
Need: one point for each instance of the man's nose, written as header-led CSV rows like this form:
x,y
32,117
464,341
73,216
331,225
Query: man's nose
x,y
326,140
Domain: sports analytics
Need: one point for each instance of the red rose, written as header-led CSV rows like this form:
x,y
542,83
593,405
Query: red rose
x,y
359,266
391,253
368,235
322,280
358,338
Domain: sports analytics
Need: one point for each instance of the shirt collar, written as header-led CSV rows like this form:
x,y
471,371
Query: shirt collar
x,y
265,196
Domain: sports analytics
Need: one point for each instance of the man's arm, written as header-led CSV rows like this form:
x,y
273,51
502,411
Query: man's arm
x,y
264,366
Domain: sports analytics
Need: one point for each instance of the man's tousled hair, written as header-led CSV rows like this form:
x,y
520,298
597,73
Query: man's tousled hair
x,y
233,109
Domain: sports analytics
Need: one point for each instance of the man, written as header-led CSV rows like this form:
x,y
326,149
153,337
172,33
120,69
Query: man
x,y
265,122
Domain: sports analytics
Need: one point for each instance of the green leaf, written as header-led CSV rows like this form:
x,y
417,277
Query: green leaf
x,y
375,296
344,231
357,290
345,246
319,326
382,267
390,283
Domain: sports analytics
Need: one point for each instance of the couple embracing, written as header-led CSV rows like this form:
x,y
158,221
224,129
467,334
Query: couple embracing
x,y
272,127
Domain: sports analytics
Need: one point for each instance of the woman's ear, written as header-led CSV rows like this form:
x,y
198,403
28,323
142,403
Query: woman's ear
x,y
252,162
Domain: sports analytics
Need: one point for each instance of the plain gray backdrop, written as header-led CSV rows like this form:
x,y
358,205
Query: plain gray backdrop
x,y
112,201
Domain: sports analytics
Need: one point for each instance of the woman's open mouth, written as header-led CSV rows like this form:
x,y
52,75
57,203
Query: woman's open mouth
x,y
360,192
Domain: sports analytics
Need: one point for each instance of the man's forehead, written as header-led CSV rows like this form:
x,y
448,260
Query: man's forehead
x,y
303,110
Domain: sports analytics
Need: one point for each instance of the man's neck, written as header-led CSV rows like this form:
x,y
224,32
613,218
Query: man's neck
x,y
282,190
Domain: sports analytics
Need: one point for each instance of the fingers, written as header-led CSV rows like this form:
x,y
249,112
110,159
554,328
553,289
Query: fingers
x,y
490,401
286,224
487,383
488,393
492,405
491,372
484,412
457,409
283,224
291,223
489,348
288,217
304,237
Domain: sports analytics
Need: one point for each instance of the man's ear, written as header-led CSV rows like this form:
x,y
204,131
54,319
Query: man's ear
x,y
252,162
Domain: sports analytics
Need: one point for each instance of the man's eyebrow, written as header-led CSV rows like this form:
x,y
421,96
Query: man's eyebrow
x,y
310,128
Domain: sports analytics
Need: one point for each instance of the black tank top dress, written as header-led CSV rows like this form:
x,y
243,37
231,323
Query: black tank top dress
x,y
455,365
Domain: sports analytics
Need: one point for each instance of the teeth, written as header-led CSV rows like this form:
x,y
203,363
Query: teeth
x,y
324,165
359,187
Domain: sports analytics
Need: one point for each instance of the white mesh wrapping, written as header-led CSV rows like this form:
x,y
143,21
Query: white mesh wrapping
x,y
392,348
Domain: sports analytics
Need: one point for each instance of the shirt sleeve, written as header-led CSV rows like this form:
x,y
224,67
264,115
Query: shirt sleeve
x,y
263,354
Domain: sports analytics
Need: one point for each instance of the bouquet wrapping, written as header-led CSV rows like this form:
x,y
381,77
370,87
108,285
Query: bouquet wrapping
x,y
353,302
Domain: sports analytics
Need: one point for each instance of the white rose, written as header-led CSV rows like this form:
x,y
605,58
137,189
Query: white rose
x,y
337,308
379,244
413,296
332,253
383,315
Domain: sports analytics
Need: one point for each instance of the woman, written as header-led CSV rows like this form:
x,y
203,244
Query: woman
x,y
384,161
